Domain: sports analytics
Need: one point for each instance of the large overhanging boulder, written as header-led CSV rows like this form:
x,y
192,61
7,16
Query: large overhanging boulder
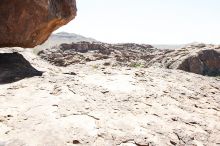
x,y
28,23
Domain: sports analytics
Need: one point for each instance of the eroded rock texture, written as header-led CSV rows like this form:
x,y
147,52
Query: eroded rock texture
x,y
25,23
200,59
206,62
82,52
109,106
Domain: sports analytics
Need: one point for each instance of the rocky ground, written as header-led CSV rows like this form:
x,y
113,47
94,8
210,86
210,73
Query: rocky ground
x,y
197,58
96,102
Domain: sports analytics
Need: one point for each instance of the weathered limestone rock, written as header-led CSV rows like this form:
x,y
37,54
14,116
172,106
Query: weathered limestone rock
x,y
82,52
109,106
25,23
206,62
200,59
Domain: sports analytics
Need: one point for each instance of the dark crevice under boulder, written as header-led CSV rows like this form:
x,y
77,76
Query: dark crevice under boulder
x,y
14,67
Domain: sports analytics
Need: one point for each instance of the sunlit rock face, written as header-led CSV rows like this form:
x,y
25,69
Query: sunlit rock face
x,y
196,58
27,23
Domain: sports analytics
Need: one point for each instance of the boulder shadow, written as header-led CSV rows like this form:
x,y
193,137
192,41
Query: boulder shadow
x,y
14,67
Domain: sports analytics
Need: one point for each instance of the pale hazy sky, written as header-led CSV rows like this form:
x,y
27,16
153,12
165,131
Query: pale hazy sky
x,y
148,21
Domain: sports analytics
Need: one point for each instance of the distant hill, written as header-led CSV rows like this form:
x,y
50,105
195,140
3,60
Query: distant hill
x,y
168,46
64,37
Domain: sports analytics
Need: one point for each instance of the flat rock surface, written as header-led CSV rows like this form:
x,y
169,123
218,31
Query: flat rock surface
x,y
92,104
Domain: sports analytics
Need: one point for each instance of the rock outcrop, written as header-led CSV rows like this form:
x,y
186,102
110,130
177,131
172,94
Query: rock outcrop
x,y
81,52
14,67
200,59
29,23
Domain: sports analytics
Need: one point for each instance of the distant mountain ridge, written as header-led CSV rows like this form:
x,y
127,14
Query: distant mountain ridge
x,y
168,46
72,37
64,37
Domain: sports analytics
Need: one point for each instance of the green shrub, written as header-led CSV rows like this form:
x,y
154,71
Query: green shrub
x,y
136,65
